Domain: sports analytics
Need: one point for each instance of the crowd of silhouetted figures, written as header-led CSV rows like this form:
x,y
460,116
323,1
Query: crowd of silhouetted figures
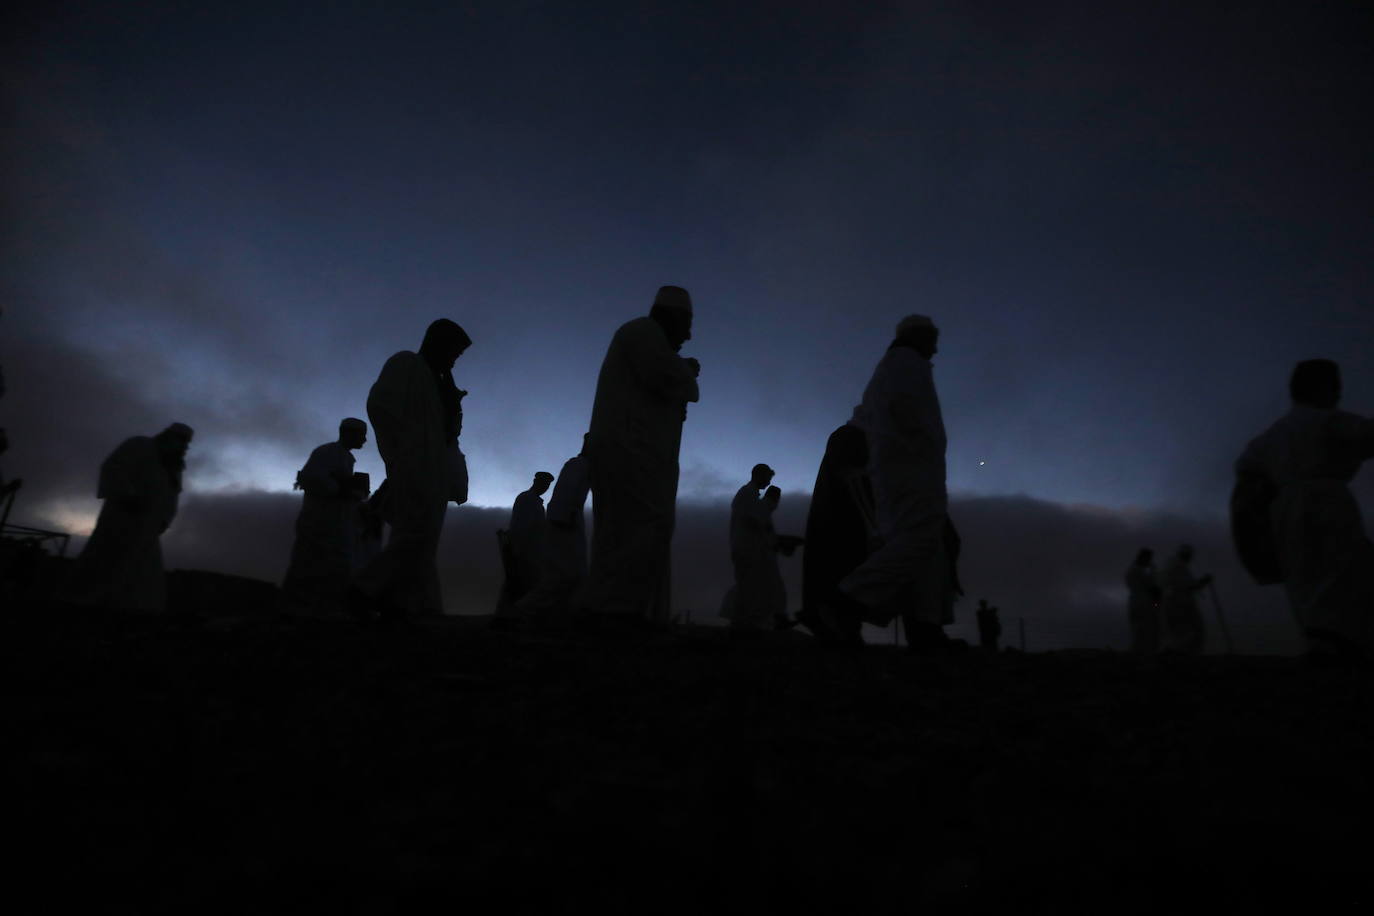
x,y
879,543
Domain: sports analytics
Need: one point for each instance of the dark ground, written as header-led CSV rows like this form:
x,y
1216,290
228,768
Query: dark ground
x,y
272,765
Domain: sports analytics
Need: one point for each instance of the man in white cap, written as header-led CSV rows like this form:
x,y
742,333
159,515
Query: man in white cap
x,y
636,430
909,573
321,557
140,482
1296,521
417,415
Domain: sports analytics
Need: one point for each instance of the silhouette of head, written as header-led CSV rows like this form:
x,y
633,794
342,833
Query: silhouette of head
x,y
1144,556
173,442
919,333
761,476
672,309
1316,383
542,479
772,496
352,433
444,342
982,604
1185,552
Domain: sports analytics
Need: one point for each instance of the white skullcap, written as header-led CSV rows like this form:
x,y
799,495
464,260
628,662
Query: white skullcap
x,y
912,322
673,297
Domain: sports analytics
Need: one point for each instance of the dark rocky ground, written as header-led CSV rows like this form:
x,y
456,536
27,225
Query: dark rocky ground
x,y
272,765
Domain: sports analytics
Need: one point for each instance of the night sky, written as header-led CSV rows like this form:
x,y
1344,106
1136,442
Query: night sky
x,y
1129,221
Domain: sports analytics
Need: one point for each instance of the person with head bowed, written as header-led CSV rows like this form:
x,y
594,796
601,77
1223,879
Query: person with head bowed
x,y
140,483
911,572
641,401
416,413
321,556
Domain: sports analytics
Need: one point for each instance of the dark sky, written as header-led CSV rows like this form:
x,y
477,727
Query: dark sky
x,y
1129,221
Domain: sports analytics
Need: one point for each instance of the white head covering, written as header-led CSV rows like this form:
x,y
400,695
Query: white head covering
x,y
912,322
674,297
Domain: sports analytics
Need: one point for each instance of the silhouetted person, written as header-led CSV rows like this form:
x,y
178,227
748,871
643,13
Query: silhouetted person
x,y
989,626
321,557
416,413
1183,628
910,572
840,526
758,600
1298,473
641,402
527,537
1142,583
565,544
140,483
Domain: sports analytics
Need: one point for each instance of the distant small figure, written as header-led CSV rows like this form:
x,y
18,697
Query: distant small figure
x,y
989,626
840,530
642,394
140,482
1142,584
565,540
526,537
758,600
1183,628
416,413
321,557
910,573
1296,521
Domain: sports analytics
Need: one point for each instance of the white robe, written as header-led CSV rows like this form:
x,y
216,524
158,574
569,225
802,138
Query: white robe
x,y
901,417
636,430
759,594
1309,456
322,555
409,428
121,565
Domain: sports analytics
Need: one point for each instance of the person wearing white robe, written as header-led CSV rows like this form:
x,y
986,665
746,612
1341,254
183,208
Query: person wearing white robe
x,y
751,603
908,573
321,556
1305,462
1143,603
140,483
1183,627
565,540
641,401
416,416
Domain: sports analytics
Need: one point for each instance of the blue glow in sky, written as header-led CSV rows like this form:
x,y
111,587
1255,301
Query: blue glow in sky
x,y
1128,222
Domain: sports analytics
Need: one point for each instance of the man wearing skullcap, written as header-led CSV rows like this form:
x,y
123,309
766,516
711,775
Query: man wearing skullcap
x,y
910,571
1296,521
416,413
641,401
140,483
321,557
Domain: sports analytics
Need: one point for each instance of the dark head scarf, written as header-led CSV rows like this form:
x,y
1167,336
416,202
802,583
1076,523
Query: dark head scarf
x,y
442,340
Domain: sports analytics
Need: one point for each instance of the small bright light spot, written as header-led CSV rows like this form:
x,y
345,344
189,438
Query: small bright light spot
x,y
981,462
